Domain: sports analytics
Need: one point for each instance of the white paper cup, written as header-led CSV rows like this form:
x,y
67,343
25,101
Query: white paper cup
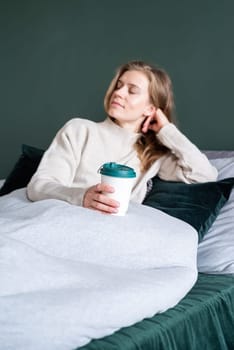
x,y
121,178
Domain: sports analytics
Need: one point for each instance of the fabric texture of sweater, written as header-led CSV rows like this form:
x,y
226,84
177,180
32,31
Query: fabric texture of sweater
x,y
71,163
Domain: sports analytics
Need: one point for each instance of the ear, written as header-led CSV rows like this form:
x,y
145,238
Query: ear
x,y
149,110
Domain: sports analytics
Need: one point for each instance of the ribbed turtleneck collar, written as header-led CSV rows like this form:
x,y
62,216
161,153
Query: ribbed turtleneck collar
x,y
108,122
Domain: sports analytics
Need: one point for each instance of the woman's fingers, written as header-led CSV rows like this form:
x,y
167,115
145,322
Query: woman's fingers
x,y
146,124
94,198
155,121
102,202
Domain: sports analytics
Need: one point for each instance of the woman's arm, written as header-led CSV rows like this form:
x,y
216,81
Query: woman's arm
x,y
185,162
54,176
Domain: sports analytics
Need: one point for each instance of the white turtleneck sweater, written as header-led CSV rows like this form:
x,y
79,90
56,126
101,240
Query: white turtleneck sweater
x,y
70,165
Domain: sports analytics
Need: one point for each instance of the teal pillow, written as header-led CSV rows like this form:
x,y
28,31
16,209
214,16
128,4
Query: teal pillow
x,y
197,204
23,169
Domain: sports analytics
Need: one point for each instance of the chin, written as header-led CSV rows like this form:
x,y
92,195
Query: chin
x,y
113,114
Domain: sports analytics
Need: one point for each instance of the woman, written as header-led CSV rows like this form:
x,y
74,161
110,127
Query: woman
x,y
139,132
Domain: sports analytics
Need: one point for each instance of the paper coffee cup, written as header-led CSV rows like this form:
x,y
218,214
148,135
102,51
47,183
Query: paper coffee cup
x,y
121,178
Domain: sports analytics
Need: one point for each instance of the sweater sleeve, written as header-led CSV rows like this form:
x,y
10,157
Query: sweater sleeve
x,y
185,162
57,168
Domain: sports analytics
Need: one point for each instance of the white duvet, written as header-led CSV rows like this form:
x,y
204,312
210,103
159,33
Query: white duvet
x,y
69,275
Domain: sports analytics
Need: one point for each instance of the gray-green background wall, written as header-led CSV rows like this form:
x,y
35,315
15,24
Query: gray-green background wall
x,y
57,58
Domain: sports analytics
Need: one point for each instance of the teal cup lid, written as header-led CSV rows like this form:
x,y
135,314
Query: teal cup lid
x,y
117,170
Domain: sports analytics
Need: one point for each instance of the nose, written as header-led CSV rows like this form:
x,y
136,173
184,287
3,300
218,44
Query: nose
x,y
121,92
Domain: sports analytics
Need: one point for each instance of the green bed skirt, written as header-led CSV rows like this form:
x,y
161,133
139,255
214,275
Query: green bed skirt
x,y
203,320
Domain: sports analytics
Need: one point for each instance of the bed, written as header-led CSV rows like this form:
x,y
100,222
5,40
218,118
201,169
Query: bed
x,y
193,308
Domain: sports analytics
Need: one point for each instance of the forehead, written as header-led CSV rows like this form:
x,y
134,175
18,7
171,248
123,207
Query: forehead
x,y
134,77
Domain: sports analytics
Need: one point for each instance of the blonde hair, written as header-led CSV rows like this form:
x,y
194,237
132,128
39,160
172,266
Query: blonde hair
x,y
148,146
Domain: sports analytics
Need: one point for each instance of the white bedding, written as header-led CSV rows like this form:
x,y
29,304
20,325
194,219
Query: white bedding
x,y
216,251
69,274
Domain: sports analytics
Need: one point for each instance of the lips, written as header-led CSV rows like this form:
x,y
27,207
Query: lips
x,y
117,104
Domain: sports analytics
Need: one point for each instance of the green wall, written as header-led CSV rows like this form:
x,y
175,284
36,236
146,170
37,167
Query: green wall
x,y
57,58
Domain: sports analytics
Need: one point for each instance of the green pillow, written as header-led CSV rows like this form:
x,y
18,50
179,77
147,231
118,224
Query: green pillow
x,y
23,170
197,204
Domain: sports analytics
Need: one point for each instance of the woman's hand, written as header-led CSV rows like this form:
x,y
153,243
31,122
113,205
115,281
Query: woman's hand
x,y
155,121
94,198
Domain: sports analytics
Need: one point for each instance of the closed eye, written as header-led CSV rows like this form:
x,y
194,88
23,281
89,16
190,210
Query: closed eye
x,y
133,90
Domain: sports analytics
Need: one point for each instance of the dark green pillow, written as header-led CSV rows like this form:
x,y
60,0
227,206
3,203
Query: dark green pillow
x,y
197,204
23,170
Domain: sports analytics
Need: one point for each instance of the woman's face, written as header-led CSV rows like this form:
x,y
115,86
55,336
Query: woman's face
x,y
129,103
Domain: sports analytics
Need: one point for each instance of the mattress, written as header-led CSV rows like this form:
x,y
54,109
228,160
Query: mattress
x,y
204,319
